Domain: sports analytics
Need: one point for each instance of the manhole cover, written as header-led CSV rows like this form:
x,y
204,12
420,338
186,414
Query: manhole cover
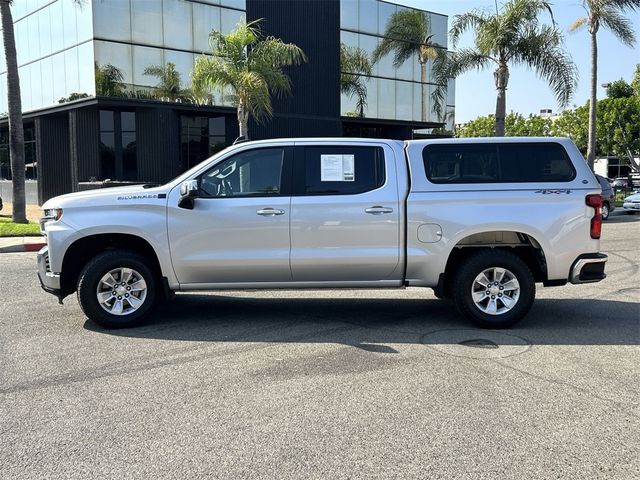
x,y
475,343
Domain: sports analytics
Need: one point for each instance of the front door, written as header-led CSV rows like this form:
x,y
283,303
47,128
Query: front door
x,y
345,215
238,230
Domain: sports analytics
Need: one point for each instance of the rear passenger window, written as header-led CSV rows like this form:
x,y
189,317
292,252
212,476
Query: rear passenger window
x,y
343,170
497,163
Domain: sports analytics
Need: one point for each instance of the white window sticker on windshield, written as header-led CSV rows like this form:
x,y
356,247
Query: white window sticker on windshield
x,y
337,168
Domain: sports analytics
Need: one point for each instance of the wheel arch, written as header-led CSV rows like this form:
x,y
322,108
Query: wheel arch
x,y
82,250
520,242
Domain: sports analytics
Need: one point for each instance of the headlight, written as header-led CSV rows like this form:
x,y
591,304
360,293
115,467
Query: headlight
x,y
52,214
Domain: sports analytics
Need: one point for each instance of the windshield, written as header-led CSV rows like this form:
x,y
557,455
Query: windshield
x,y
183,176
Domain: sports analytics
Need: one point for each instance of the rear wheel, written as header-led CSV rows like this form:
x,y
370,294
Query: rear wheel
x,y
494,289
117,289
605,211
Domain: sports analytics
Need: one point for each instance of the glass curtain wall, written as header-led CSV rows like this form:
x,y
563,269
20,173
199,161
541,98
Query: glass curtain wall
x,y
133,35
54,50
392,93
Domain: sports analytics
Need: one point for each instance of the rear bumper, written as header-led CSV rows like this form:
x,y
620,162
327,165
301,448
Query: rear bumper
x,y
49,281
588,268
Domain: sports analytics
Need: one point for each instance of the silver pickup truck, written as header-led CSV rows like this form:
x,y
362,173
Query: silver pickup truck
x,y
480,221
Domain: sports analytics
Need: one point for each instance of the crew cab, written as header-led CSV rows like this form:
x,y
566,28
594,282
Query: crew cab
x,y
480,221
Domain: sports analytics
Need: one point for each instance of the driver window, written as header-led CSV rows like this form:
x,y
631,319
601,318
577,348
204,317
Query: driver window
x,y
251,173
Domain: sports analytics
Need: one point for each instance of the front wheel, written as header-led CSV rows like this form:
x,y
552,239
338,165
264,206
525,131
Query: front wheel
x,y
494,289
117,289
605,211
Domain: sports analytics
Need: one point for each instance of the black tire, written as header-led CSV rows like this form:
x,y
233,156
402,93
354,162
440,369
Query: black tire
x,y
605,211
472,267
92,274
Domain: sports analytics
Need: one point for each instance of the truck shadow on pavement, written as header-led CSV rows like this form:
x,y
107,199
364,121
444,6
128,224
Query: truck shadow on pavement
x,y
372,324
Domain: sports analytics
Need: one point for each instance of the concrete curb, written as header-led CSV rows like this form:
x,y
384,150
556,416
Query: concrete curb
x,y
21,244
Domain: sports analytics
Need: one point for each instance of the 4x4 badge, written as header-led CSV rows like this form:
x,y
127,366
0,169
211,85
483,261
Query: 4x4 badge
x,y
554,192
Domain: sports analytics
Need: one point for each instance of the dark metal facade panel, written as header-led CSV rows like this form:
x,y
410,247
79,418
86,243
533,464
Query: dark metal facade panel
x,y
52,154
303,126
84,133
157,144
313,25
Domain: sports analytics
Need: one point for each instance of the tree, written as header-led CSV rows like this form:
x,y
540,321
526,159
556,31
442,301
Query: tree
x,y
109,80
619,89
73,96
354,67
406,34
249,65
607,14
16,131
618,128
511,36
573,123
14,102
169,85
635,82
516,125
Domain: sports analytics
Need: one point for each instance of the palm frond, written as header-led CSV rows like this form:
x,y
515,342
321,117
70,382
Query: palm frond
x,y
450,65
248,65
543,50
405,33
154,71
354,63
475,19
618,24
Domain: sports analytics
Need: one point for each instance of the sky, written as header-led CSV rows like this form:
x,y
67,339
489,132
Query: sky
x,y
475,91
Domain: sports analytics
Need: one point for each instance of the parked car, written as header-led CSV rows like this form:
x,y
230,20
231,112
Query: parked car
x,y
608,197
631,204
478,220
620,182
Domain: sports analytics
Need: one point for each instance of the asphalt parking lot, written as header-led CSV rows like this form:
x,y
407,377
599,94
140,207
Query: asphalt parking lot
x,y
325,384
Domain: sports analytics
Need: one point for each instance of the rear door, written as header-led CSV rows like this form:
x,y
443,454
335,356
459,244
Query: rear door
x,y
345,214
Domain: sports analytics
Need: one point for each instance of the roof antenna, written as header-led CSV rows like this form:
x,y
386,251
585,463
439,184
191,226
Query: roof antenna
x,y
240,139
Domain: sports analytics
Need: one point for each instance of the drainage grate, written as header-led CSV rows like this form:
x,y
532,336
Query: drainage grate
x,y
479,343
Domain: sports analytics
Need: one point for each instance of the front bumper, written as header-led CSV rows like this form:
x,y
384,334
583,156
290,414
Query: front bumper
x,y
588,268
49,281
631,206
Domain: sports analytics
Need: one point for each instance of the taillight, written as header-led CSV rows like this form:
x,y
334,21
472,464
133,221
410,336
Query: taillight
x,y
595,201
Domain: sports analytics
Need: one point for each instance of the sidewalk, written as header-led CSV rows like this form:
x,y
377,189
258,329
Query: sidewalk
x,y
21,244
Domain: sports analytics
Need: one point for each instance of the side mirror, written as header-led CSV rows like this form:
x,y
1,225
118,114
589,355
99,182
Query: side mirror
x,y
188,192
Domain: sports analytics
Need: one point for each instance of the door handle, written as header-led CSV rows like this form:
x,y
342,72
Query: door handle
x,y
270,212
378,210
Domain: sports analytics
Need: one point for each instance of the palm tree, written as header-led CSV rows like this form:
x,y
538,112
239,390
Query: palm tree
x,y
607,14
512,36
408,33
16,131
169,82
354,67
251,67
109,80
